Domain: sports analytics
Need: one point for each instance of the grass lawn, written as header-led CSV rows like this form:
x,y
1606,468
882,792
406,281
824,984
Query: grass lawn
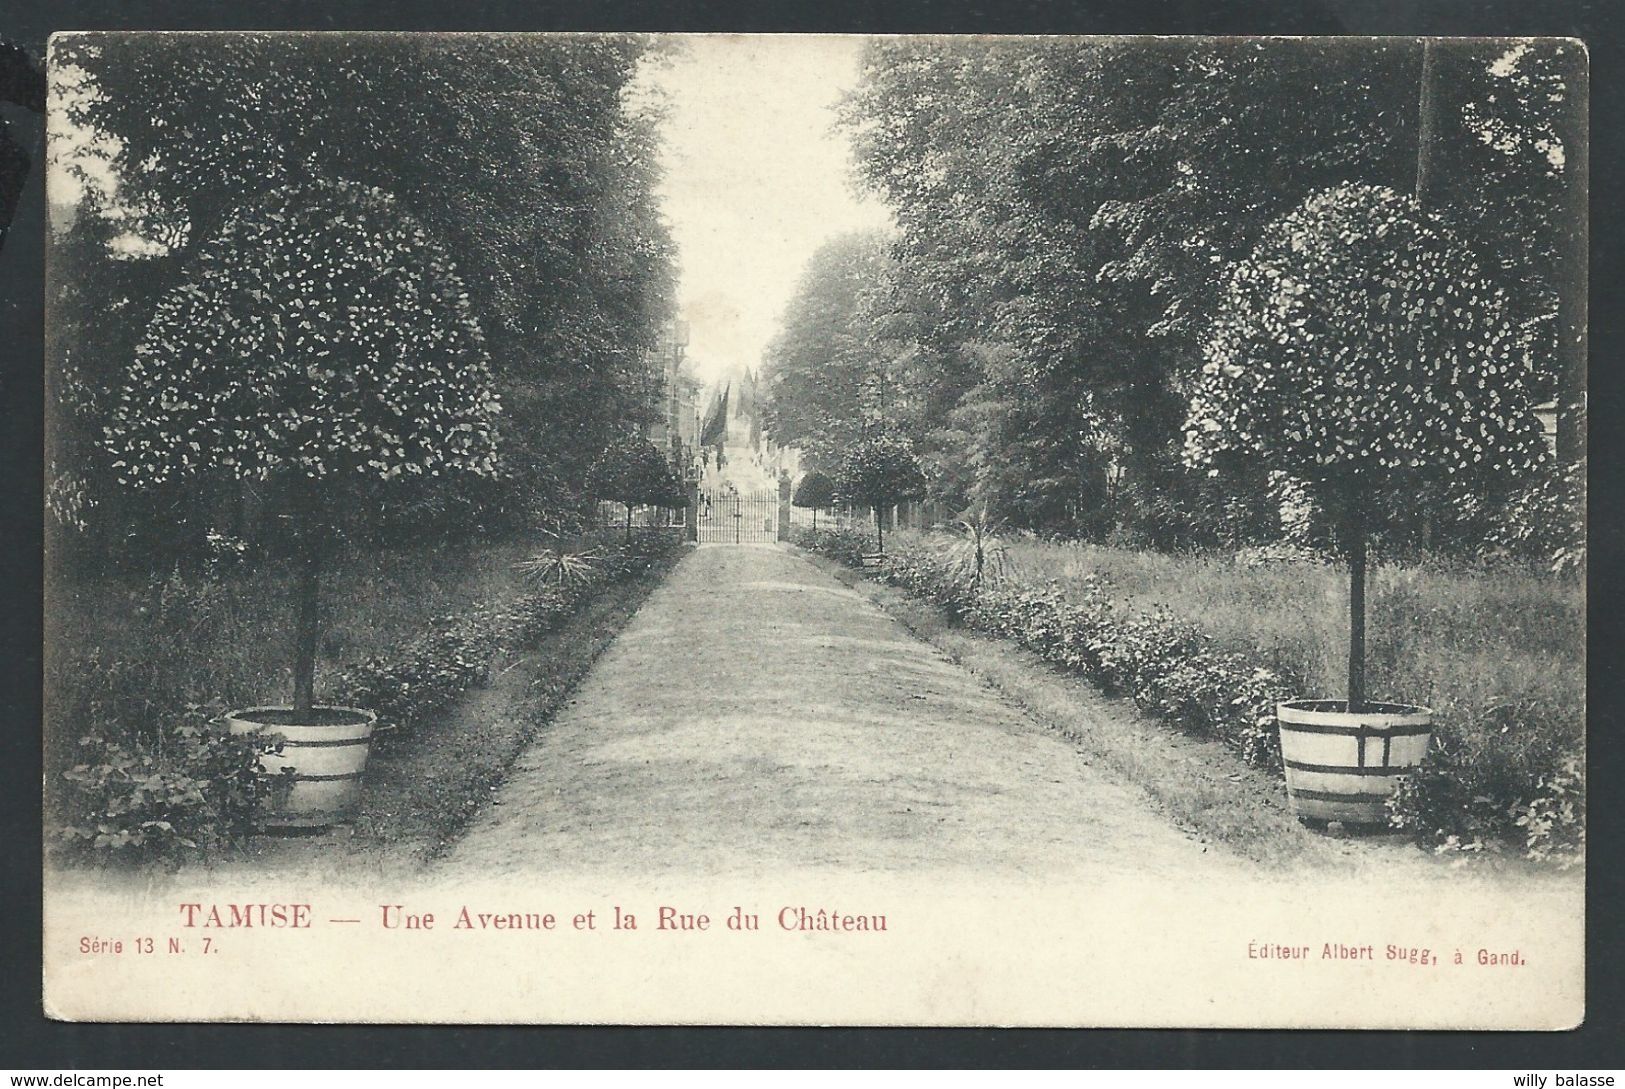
x,y
1457,640
1498,653
125,653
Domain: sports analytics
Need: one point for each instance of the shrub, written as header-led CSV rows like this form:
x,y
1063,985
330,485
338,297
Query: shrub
x,y
978,556
1544,522
1499,779
198,789
1504,776
844,544
423,675
559,567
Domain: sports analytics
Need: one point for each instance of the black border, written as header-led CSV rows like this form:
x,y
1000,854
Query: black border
x,y
29,1041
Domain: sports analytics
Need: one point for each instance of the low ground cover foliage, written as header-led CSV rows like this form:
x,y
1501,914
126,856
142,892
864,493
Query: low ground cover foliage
x,y
192,791
407,683
848,544
153,779
1210,645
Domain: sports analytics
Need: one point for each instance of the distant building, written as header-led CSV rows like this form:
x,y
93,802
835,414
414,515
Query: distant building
x,y
675,414
684,417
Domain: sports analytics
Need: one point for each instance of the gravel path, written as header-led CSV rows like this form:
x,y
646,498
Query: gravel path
x,y
756,715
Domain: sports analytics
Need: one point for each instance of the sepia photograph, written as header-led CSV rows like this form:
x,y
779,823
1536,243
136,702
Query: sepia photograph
x,y
816,529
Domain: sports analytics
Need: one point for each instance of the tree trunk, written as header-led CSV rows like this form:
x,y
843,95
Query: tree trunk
x,y
880,529
629,523
307,629
1572,245
1426,123
1355,544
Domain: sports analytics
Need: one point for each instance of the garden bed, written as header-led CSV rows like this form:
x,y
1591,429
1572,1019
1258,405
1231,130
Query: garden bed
x,y
1208,644
410,632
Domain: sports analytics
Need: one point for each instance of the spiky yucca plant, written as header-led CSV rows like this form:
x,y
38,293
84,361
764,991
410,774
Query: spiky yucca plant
x,y
558,567
977,556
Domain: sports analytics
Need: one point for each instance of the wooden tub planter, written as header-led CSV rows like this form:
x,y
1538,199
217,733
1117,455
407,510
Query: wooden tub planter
x,y
1343,767
326,748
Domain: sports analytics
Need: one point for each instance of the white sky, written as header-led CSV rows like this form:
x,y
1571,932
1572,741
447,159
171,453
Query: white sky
x,y
756,180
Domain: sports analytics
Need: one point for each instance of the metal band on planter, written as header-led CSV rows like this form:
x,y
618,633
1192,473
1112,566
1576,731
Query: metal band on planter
x,y
328,758
1343,767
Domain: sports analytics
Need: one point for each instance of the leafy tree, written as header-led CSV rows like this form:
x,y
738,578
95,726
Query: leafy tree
x,y
634,474
1365,353
1026,445
529,158
100,304
880,472
1511,170
1069,210
996,330
824,375
321,342
816,490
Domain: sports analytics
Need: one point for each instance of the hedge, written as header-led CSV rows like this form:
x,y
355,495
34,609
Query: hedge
x,y
1463,799
198,789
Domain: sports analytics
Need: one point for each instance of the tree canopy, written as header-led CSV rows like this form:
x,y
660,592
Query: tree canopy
x,y
816,490
531,160
633,473
880,471
1070,213
824,374
319,334
1365,353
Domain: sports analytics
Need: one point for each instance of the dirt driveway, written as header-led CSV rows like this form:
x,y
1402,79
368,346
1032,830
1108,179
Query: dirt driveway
x,y
758,715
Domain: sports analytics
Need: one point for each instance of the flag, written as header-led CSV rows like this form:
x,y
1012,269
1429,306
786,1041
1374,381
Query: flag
x,y
716,421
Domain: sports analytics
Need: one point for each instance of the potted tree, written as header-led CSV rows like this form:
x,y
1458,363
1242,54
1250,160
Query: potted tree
x,y
815,490
633,473
321,346
1363,353
880,472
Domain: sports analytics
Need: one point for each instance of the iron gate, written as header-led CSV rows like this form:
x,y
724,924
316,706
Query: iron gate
x,y
727,516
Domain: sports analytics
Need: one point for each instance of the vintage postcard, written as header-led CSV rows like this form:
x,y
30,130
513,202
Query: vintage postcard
x,y
816,530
